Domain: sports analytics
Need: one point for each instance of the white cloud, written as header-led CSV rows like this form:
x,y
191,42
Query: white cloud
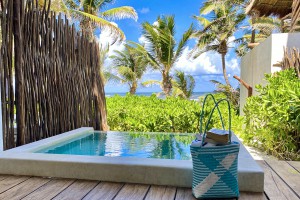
x,y
142,40
144,10
105,39
155,23
206,63
233,65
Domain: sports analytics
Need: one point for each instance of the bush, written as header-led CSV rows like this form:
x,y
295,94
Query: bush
x,y
273,117
151,114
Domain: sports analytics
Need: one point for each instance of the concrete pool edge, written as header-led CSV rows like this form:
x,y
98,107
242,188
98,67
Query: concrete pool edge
x,y
21,161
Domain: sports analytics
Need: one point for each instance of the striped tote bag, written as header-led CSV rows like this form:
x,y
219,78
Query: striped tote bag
x,y
215,167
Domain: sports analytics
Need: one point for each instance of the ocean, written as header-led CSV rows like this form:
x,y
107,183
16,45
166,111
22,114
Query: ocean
x,y
195,95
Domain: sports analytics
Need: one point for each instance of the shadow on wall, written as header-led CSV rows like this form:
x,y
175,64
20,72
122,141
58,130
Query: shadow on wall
x,y
261,59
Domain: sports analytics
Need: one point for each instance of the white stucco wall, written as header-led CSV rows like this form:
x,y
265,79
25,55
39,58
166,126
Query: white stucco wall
x,y
261,59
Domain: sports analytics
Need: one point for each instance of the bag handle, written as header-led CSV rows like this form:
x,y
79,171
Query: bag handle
x,y
202,112
210,116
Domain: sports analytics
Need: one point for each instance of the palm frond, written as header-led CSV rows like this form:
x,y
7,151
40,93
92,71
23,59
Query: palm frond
x,y
151,82
183,84
207,8
110,77
147,56
127,74
185,37
202,20
117,33
120,13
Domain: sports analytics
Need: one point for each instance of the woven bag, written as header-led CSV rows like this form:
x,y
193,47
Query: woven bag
x,y
215,167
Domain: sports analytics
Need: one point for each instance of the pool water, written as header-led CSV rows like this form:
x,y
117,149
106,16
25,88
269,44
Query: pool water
x,y
124,144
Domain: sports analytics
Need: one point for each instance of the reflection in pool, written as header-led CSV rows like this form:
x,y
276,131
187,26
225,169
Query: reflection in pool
x,y
124,144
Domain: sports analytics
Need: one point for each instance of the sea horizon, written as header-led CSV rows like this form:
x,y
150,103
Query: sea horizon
x,y
195,95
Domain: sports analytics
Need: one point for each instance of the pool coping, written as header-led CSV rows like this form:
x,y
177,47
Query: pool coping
x,y
22,161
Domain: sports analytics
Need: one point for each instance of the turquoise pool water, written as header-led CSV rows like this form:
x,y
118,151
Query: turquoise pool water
x,y
123,144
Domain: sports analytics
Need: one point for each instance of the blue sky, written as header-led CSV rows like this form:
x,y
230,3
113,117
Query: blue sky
x,y
204,68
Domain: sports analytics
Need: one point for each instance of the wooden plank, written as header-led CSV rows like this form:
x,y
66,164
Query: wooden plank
x,y
2,177
21,190
132,192
253,196
295,164
287,173
161,192
184,194
104,191
77,190
11,181
50,189
274,187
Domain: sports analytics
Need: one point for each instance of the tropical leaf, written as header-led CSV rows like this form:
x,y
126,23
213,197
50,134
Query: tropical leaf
x,y
183,84
120,13
202,20
186,36
130,65
104,24
163,51
151,82
221,20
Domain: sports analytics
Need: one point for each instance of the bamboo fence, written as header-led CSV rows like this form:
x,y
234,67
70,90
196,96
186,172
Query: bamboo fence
x,y
49,73
295,19
291,60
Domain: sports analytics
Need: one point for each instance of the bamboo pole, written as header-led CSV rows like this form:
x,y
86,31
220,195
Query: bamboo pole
x,y
246,85
57,73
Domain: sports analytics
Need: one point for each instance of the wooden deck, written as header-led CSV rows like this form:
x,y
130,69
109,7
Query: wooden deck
x,y
282,182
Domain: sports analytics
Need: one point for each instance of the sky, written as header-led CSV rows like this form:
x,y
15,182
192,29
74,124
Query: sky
x,y
205,68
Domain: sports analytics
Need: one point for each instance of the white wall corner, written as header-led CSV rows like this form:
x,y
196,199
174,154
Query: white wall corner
x,y
260,60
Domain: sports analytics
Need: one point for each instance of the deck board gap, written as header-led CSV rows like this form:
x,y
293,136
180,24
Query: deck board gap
x,y
118,191
267,197
3,177
298,195
293,167
91,190
63,190
147,192
16,184
175,194
36,189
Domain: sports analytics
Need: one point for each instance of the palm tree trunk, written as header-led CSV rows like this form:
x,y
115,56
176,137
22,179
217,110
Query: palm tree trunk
x,y
133,88
167,84
224,69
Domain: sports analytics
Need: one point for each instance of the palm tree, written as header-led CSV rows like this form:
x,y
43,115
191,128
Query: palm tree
x,y
183,84
262,28
233,95
90,14
130,65
162,50
226,19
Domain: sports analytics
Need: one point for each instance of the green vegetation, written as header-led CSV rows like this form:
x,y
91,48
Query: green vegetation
x,y
151,114
273,117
